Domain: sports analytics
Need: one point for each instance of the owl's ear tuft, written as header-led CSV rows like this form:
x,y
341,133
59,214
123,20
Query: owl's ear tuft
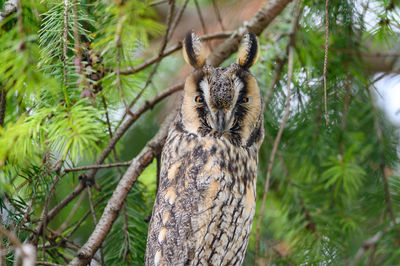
x,y
248,50
193,50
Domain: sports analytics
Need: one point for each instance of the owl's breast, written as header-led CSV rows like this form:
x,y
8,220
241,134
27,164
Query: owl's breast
x,y
207,191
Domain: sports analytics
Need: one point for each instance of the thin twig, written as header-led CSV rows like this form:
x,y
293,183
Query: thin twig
x,y
119,51
83,218
77,46
71,214
326,57
176,20
65,42
131,119
27,211
56,209
43,223
372,241
94,220
118,134
263,17
13,239
126,232
216,10
203,25
176,47
162,49
2,256
47,263
159,2
274,149
110,165
3,105
385,175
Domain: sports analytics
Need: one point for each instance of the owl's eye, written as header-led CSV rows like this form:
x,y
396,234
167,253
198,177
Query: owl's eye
x,y
199,99
244,100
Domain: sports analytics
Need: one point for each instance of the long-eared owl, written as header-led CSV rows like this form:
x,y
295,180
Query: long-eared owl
x,y
205,203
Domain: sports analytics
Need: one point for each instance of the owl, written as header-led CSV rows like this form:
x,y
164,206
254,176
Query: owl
x,y
205,203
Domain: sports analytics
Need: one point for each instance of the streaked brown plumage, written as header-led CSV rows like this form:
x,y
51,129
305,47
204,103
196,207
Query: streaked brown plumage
x,y
205,204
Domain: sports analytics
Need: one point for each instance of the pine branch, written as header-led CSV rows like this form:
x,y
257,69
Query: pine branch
x,y
110,213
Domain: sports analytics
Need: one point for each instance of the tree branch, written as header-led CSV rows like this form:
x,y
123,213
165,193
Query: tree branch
x,y
145,157
110,165
257,24
176,47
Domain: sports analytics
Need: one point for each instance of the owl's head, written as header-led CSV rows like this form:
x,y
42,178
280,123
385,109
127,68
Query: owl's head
x,y
222,102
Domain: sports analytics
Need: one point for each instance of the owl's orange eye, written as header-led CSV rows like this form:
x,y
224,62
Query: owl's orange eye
x,y
245,100
199,99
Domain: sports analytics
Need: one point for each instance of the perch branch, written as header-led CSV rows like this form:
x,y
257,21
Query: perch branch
x,y
113,206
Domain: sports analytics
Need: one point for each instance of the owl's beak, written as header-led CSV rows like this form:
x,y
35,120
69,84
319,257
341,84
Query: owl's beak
x,y
221,123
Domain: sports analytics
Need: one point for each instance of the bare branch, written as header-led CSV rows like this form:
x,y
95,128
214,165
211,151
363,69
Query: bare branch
x,y
177,19
257,24
83,219
176,47
47,263
114,205
12,238
121,130
110,165
71,214
154,70
372,241
203,25
53,212
216,10
89,190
